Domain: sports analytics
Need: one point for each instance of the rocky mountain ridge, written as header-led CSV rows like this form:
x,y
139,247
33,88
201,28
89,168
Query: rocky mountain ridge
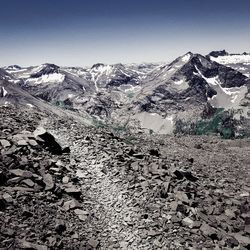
x,y
147,97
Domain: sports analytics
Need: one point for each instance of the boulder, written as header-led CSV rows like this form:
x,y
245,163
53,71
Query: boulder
x,y
48,140
5,143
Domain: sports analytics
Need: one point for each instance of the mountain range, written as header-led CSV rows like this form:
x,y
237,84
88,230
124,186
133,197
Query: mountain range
x,y
192,94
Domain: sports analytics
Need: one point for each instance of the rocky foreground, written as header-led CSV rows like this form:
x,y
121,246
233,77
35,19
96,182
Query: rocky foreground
x,y
67,186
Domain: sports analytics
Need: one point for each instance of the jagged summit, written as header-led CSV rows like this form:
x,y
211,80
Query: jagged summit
x,y
97,65
218,53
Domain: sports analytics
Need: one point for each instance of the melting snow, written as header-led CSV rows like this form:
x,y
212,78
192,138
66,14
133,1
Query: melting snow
x,y
50,78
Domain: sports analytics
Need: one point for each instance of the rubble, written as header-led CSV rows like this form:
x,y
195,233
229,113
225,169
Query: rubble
x,y
110,194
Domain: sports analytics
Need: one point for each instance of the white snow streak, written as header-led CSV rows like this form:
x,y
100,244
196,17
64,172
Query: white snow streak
x,y
4,91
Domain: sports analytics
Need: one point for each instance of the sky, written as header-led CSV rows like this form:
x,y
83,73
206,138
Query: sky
x,y
84,32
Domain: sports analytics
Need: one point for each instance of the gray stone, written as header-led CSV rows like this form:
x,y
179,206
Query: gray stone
x,y
93,243
207,230
243,240
7,197
49,141
71,204
73,190
188,222
33,143
21,173
48,181
28,182
65,180
22,143
23,244
181,196
5,143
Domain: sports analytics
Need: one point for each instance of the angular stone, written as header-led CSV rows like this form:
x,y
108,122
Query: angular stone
x,y
188,222
80,173
28,182
48,181
207,230
49,140
5,143
65,180
232,242
229,213
245,194
82,214
93,243
21,173
33,143
243,240
181,196
134,166
73,190
7,197
71,204
22,143
23,244
180,174
153,233
20,189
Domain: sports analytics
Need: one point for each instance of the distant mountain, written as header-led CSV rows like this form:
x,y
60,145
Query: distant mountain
x,y
239,62
153,97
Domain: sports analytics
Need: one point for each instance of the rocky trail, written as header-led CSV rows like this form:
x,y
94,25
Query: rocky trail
x,y
67,186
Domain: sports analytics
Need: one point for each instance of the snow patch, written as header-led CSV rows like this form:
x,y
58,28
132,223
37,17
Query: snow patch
x,y
30,105
186,58
156,122
231,59
50,78
180,82
170,118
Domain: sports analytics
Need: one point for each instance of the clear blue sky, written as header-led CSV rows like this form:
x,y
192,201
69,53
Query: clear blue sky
x,y
83,32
